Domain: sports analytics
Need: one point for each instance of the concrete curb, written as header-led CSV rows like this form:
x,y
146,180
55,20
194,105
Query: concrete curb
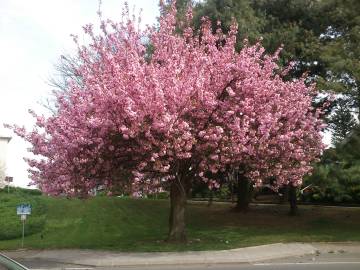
x,y
108,259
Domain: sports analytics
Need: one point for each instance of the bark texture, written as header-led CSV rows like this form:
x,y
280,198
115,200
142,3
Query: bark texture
x,y
178,195
244,192
293,200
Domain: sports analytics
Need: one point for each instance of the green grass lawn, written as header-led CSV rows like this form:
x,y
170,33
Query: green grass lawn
x,y
141,225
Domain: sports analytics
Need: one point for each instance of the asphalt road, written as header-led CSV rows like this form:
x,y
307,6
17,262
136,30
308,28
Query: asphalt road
x,y
271,266
328,261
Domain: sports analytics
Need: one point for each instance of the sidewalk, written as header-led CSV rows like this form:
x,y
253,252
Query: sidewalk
x,y
106,259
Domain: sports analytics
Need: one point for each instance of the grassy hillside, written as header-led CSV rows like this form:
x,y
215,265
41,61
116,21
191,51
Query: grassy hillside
x,y
141,225
10,225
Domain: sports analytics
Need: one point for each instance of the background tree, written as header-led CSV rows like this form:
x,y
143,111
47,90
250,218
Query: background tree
x,y
250,25
340,52
336,178
342,121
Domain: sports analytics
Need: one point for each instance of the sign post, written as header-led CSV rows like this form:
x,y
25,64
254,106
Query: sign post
x,y
23,210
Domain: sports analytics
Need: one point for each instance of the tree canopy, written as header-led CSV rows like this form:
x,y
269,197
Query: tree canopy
x,y
321,37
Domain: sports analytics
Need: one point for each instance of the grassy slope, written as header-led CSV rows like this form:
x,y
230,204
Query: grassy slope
x,y
10,225
141,225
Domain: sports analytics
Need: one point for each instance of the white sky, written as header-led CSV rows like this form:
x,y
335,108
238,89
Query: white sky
x,y
33,34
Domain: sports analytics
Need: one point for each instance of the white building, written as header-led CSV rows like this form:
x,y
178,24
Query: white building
x,y
3,155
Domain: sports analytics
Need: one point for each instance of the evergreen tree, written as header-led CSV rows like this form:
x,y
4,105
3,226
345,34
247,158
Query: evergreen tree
x,y
342,122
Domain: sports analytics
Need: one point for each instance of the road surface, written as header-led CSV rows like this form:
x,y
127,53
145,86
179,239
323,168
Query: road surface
x,y
326,261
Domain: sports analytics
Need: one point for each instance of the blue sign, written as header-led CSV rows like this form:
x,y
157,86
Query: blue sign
x,y
23,209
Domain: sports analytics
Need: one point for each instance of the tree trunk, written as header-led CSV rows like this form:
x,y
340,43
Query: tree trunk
x,y
211,198
231,182
232,193
178,194
293,200
243,193
285,194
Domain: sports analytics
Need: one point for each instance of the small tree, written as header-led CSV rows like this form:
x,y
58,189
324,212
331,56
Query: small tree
x,y
193,108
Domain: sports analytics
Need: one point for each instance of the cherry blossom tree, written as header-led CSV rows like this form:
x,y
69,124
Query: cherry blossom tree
x,y
193,108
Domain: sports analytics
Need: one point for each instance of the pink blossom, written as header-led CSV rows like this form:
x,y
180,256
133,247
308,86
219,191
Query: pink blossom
x,y
193,107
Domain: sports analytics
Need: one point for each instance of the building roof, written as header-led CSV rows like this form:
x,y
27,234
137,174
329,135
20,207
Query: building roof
x,y
8,139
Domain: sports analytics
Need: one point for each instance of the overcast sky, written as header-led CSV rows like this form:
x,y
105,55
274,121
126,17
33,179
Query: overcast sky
x,y
33,34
